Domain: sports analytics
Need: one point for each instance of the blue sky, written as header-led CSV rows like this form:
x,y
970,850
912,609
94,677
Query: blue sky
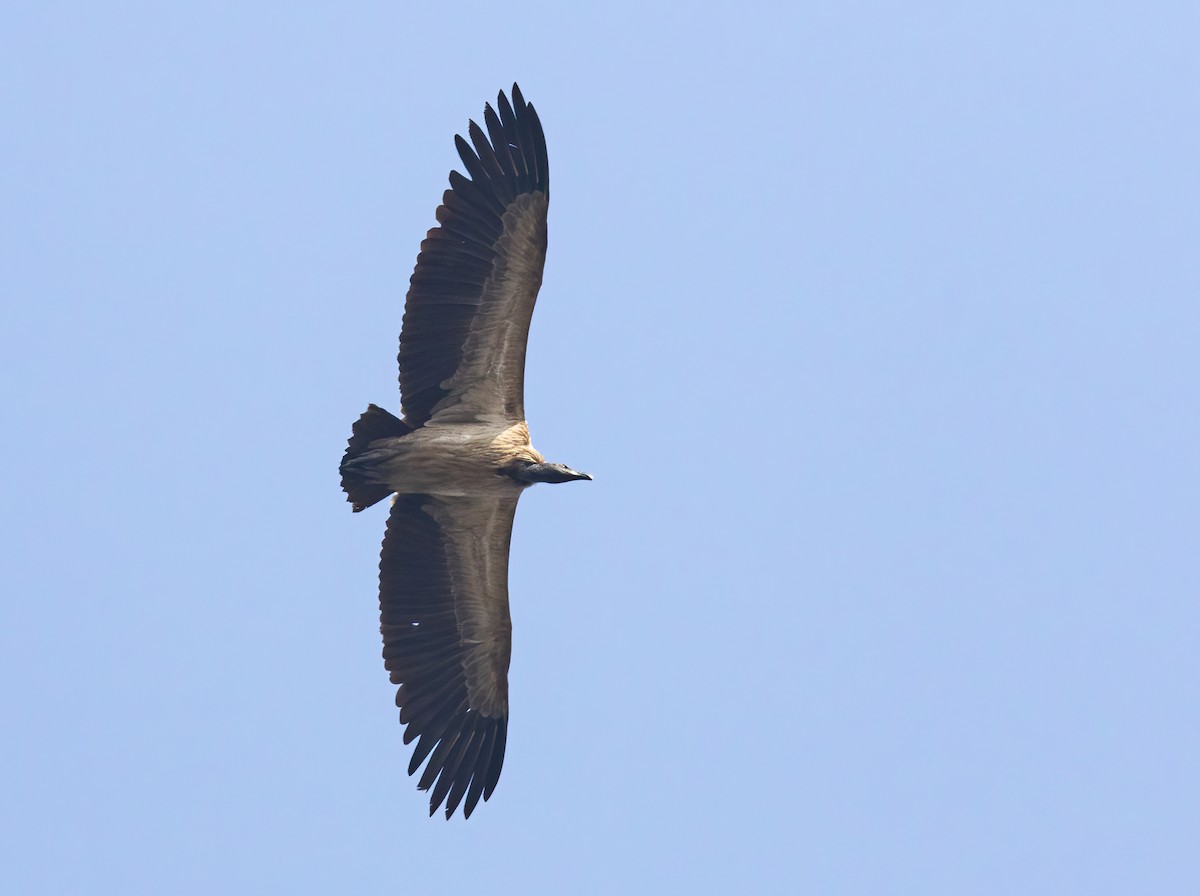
x,y
877,325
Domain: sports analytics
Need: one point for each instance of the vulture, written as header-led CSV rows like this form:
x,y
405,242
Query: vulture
x,y
459,458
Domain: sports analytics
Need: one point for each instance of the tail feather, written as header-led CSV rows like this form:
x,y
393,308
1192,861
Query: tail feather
x,y
374,424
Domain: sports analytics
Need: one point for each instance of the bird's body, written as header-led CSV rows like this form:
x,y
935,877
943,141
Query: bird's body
x,y
459,460
453,460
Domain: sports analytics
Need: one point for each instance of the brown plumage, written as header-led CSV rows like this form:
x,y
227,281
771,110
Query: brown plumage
x,y
460,458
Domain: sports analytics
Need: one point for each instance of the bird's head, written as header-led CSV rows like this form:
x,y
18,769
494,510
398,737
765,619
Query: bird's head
x,y
531,472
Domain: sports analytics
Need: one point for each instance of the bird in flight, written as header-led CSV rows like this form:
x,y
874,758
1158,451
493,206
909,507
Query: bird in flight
x,y
459,459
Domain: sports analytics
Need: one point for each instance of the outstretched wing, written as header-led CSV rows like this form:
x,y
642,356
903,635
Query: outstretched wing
x,y
471,296
447,638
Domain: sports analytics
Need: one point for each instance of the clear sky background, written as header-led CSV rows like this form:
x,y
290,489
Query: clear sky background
x,y
878,325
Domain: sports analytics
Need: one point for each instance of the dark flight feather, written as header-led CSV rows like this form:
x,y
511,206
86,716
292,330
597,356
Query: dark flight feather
x,y
424,654
460,255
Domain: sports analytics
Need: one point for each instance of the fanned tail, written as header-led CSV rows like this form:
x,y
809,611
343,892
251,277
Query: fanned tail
x,y
361,489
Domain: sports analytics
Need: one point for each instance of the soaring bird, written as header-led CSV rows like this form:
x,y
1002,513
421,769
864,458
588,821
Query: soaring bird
x,y
460,458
